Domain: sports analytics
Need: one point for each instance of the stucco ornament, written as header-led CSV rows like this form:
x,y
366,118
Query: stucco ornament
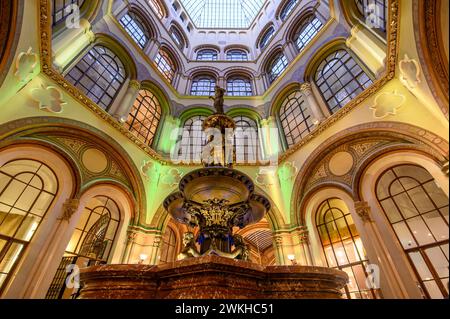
x,y
287,171
387,104
26,63
409,72
265,177
172,177
147,169
49,98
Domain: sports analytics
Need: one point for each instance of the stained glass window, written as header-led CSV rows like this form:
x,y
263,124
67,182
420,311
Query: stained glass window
x,y
340,79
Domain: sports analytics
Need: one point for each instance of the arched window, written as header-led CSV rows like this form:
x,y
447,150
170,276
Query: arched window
x,y
417,209
157,8
246,140
203,86
90,244
177,37
375,13
145,116
169,246
239,86
278,65
340,79
288,7
207,55
307,31
343,247
265,39
165,65
136,28
237,55
193,139
61,9
99,74
296,118
27,190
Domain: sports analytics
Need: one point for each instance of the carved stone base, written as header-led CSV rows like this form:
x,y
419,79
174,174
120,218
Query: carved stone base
x,y
211,277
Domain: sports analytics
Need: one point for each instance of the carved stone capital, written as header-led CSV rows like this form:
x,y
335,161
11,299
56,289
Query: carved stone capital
x,y
306,88
363,211
134,84
131,236
278,241
69,208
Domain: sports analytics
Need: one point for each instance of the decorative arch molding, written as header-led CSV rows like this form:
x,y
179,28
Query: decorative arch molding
x,y
175,25
290,32
237,47
176,58
428,36
243,111
11,16
263,32
321,53
281,95
239,71
146,18
204,70
120,49
71,139
206,46
272,54
163,6
195,111
357,147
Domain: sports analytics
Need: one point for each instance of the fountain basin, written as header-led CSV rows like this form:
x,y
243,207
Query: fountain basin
x,y
211,277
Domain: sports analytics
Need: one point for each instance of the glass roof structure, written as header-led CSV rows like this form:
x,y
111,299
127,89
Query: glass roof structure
x,y
223,14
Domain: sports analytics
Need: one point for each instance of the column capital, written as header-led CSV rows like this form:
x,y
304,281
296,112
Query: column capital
x,y
306,88
135,84
363,210
69,208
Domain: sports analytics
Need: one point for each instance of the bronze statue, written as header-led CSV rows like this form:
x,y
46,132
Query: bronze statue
x,y
219,100
189,250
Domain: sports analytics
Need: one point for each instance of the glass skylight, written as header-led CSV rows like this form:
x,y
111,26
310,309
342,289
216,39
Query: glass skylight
x,y
223,14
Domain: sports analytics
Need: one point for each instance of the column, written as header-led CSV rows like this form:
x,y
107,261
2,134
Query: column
x,y
290,55
68,45
270,140
301,246
279,249
311,100
131,236
387,279
369,51
152,49
127,101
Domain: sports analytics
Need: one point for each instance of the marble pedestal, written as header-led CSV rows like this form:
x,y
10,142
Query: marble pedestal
x,y
211,277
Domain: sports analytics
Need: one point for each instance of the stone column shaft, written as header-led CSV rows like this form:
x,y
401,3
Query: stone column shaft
x,y
127,101
311,100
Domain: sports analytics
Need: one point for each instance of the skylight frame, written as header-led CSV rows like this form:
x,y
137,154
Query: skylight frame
x,y
196,6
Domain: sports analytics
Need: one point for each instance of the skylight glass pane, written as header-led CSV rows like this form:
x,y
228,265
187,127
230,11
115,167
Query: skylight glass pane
x,y
223,14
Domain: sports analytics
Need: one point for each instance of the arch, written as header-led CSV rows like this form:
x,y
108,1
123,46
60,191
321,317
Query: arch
x,y
175,26
239,85
51,132
268,29
176,58
285,8
398,137
243,111
207,53
274,65
145,19
159,8
118,48
11,14
204,70
203,84
429,37
166,65
336,96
